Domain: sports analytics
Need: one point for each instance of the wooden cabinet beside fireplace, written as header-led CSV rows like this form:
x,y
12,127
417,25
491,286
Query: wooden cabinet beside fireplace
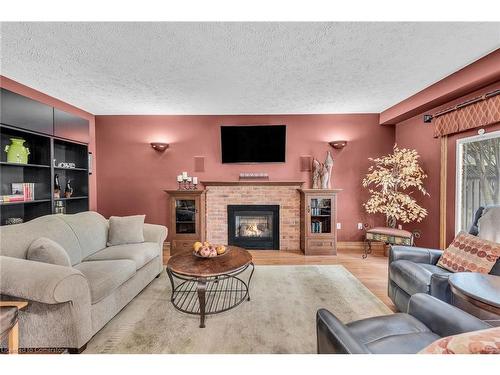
x,y
187,219
318,221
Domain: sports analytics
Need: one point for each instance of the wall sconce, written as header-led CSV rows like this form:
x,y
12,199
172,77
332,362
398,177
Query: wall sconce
x,y
338,145
159,146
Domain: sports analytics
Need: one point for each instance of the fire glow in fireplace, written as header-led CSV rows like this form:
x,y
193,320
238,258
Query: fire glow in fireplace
x,y
253,226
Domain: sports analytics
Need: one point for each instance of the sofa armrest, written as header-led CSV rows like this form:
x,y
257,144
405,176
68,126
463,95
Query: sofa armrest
x,y
42,282
155,233
442,318
440,287
414,254
334,337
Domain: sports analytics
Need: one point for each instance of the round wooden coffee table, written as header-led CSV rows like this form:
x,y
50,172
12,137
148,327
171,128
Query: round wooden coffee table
x,y
478,294
207,286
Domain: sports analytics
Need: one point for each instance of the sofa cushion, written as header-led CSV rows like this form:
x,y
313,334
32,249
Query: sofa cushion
x,y
485,341
403,344
413,277
104,276
126,230
396,333
16,239
47,251
469,253
140,254
90,228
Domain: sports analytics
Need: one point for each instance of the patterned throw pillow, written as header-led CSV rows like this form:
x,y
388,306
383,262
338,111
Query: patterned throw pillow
x,y
468,253
486,341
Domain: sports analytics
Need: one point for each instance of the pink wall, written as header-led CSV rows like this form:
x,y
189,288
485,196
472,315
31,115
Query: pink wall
x,y
21,89
473,77
414,133
136,175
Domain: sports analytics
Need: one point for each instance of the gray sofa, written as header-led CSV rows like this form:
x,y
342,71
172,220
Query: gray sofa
x,y
428,319
414,270
68,305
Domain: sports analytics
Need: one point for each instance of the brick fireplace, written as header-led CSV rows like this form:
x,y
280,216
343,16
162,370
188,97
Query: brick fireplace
x,y
277,193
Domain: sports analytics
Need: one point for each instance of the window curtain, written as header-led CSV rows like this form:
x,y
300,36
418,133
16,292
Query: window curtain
x,y
475,115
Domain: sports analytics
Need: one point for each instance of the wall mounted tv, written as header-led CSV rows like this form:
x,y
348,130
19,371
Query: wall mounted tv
x,y
253,144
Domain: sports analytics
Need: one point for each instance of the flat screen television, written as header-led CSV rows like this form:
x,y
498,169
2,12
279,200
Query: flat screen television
x,y
253,144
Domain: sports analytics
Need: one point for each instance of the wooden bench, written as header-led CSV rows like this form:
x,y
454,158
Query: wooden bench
x,y
389,236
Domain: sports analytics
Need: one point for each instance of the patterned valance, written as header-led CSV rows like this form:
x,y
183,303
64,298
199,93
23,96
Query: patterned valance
x,y
476,113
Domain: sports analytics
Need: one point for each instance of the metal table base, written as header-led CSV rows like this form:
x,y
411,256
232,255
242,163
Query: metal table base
x,y
209,295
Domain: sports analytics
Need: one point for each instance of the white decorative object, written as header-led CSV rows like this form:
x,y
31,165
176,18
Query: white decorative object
x,y
195,180
250,175
66,165
184,175
179,178
323,172
91,159
316,174
326,180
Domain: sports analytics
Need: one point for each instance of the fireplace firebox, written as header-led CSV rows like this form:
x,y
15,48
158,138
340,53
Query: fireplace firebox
x,y
254,226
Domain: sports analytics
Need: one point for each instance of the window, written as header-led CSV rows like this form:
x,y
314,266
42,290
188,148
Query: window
x,y
478,176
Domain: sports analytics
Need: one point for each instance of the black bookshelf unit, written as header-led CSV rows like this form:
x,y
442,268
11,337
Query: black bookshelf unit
x,y
77,154
47,151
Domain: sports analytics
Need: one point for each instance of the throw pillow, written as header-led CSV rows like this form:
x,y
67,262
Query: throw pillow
x,y
468,253
126,230
47,251
486,341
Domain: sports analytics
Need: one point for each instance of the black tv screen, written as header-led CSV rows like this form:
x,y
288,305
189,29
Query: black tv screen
x,y
253,144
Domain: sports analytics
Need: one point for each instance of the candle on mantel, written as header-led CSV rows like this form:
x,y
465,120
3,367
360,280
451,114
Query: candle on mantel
x,y
195,180
184,175
179,178
189,179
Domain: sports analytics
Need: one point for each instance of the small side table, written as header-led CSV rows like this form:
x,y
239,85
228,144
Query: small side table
x,y
389,236
478,294
13,340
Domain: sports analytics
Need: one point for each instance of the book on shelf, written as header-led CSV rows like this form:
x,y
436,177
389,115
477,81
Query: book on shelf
x,y
26,189
11,198
317,227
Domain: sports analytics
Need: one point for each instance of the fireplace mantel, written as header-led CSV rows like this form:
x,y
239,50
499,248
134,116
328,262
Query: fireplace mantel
x,y
252,183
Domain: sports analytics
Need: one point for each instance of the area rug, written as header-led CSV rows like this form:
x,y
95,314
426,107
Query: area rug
x,y
280,318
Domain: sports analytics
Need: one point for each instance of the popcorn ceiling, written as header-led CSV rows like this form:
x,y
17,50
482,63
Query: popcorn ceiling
x,y
238,68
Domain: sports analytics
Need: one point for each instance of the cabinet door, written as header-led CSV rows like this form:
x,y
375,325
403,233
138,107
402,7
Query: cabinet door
x,y
320,216
69,126
186,216
26,113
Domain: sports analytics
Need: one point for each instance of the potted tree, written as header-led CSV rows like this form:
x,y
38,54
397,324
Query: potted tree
x,y
392,180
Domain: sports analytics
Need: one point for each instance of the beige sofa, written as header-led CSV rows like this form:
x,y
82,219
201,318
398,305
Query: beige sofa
x,y
68,305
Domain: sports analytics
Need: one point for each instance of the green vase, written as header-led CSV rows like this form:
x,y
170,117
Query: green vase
x,y
16,152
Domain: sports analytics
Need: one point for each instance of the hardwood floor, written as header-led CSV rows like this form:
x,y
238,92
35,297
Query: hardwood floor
x,y
372,272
